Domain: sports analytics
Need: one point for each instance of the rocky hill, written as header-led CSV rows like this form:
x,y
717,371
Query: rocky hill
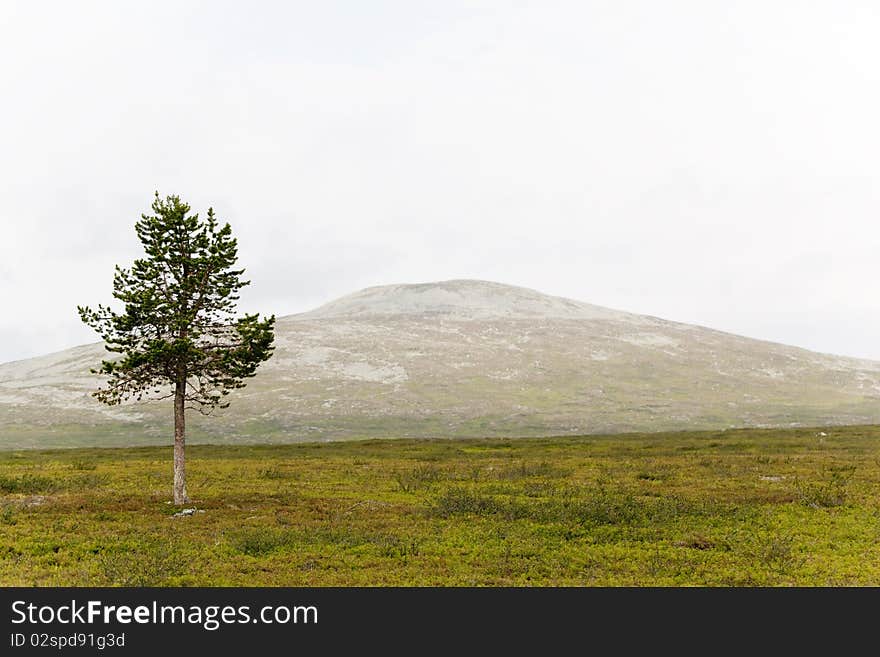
x,y
463,358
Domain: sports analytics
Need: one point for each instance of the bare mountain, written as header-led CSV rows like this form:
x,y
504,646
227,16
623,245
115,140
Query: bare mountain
x,y
463,358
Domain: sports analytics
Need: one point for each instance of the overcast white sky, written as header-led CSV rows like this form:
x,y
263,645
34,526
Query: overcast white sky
x,y
707,161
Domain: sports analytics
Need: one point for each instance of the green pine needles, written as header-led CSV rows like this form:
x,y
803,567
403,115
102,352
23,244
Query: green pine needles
x,y
178,335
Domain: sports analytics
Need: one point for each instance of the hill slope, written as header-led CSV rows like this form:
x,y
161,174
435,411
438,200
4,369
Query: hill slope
x,y
464,358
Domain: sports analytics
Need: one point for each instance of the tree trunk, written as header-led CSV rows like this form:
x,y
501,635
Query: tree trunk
x,y
180,496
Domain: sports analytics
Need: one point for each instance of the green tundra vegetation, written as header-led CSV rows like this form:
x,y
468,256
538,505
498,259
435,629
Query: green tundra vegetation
x,y
732,508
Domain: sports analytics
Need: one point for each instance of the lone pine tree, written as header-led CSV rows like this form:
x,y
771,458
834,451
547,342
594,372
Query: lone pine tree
x,y
178,336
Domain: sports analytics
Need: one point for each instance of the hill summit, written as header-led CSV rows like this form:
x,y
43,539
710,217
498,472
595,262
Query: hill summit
x,y
461,299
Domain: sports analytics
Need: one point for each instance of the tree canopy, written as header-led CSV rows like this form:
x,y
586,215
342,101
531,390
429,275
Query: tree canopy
x,y
178,318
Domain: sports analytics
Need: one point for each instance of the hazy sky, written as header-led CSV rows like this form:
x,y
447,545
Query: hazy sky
x,y
708,161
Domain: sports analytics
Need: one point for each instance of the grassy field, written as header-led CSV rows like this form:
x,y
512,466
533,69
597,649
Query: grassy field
x,y
733,508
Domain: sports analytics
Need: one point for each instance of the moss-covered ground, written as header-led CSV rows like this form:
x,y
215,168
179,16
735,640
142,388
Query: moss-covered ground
x,y
733,508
